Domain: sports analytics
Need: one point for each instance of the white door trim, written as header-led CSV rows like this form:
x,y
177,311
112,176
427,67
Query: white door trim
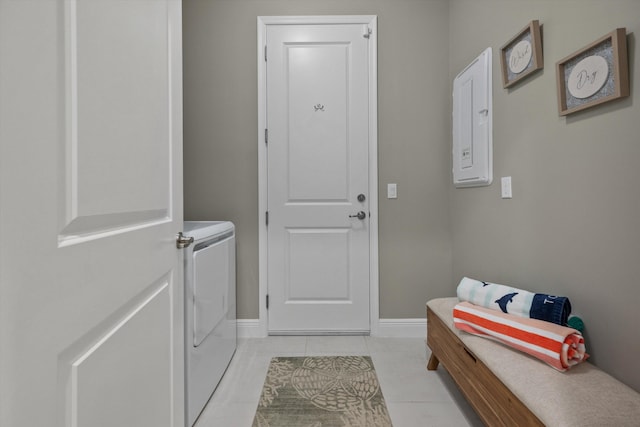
x,y
371,21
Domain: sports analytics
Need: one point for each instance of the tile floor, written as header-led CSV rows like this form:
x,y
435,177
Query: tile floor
x,y
414,396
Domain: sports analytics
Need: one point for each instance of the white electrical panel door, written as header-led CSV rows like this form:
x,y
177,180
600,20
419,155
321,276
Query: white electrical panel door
x,y
472,124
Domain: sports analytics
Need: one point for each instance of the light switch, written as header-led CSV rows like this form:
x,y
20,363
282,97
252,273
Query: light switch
x,y
392,191
506,187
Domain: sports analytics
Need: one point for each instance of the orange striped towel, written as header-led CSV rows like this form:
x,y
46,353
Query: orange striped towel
x,y
559,346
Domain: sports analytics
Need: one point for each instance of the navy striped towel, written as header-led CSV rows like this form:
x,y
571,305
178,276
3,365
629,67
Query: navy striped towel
x,y
515,301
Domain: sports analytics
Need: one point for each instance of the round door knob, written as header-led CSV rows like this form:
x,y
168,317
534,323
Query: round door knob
x,y
361,197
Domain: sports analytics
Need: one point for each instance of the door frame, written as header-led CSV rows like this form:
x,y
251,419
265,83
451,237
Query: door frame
x,y
371,21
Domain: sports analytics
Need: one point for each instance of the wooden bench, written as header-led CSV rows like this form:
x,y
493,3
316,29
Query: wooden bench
x,y
510,388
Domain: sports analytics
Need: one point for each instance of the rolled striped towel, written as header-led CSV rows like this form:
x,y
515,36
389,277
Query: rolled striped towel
x,y
559,346
551,308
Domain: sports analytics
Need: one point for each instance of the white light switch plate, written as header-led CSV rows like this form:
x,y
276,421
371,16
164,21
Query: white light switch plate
x,y
506,187
392,191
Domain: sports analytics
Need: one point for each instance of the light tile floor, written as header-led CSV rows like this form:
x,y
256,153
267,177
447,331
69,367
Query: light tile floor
x,y
414,396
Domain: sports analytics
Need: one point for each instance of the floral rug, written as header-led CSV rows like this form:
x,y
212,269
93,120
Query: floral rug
x,y
321,392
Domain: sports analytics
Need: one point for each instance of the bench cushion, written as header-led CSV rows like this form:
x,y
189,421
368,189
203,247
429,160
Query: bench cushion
x,y
582,396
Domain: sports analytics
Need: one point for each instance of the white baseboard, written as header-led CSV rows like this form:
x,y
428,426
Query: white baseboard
x,y
250,328
389,328
402,328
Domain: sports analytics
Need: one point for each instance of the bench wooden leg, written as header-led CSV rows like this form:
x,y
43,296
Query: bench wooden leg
x,y
433,363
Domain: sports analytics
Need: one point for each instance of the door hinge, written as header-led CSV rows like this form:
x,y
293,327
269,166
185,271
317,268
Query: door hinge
x,y
266,136
267,301
266,218
265,53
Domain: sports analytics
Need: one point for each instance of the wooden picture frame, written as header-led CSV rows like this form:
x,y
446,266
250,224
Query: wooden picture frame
x,y
595,74
522,55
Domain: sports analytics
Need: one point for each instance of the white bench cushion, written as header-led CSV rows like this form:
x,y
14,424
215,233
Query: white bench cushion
x,y
582,396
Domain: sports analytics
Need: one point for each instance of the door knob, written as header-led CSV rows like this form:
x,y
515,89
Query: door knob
x,y
359,215
361,197
183,241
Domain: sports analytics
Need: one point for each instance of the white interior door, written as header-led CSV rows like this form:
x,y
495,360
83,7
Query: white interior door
x,y
317,84
91,200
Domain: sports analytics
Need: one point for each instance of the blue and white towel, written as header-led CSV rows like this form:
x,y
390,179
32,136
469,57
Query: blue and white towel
x,y
515,301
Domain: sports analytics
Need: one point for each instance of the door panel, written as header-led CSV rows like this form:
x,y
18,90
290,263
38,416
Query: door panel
x,y
317,112
111,158
91,281
309,251
318,138
96,396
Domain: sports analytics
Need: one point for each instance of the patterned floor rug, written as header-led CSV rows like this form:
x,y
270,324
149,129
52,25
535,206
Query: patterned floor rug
x,y
330,391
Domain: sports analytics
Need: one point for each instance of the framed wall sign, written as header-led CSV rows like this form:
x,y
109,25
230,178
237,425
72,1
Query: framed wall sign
x,y
522,55
595,74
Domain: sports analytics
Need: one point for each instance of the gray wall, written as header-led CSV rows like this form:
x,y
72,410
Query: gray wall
x,y
572,225
221,180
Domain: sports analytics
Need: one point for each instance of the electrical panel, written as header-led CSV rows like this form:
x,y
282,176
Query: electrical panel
x,y
472,124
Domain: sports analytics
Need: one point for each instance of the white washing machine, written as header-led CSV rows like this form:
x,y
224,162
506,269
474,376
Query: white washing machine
x,y
210,310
